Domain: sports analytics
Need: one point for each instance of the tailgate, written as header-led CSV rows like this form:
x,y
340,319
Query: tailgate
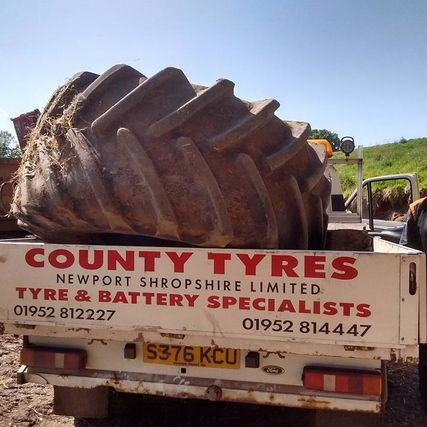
x,y
265,298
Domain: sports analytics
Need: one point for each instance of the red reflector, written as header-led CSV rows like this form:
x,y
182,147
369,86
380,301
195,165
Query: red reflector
x,y
42,357
343,381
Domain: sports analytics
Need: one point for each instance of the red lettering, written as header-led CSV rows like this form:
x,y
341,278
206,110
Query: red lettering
x,y
162,299
347,306
286,305
302,308
191,299
344,268
213,302
58,253
329,308
219,259
63,294
228,301
114,258
30,257
283,264
35,292
149,259
175,300
49,294
133,297
21,292
179,260
250,263
363,310
98,259
148,297
314,266
104,296
244,303
120,297
259,304
316,307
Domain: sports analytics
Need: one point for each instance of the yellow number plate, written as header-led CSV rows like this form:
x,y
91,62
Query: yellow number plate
x,y
206,357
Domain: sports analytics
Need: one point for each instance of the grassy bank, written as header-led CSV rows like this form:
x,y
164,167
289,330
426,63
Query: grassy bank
x,y
398,157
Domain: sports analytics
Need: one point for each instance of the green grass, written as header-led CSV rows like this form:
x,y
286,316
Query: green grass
x,y
399,157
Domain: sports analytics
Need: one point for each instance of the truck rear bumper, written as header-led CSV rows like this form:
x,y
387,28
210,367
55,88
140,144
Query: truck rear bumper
x,y
197,388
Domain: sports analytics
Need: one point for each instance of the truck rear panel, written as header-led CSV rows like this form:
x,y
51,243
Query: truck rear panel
x,y
195,322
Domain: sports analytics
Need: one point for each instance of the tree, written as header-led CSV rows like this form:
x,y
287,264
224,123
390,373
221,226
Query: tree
x,y
8,145
332,137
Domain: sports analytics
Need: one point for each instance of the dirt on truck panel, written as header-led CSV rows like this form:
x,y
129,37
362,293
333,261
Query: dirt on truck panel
x,y
8,225
120,153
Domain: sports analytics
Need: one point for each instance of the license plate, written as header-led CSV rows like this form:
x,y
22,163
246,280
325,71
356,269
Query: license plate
x,y
206,357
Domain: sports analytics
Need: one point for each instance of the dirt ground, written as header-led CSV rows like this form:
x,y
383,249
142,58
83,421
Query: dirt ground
x,y
26,405
31,405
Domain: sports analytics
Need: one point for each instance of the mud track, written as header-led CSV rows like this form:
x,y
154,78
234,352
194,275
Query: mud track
x,y
31,404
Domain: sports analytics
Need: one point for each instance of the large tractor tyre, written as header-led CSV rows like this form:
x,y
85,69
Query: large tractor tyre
x,y
121,153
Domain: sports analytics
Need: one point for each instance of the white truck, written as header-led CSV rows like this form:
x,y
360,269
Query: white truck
x,y
276,327
299,328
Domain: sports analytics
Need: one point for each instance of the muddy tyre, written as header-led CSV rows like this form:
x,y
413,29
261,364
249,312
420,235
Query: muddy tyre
x,y
121,153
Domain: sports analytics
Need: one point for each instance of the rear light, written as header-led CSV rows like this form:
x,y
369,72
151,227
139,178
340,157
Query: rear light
x,y
59,358
343,381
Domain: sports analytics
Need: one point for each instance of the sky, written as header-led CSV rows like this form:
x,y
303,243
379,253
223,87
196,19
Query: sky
x,y
355,67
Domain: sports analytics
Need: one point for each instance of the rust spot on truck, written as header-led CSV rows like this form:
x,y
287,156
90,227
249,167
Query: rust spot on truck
x,y
103,342
174,336
2,259
79,329
311,403
139,337
358,347
281,354
24,326
395,357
